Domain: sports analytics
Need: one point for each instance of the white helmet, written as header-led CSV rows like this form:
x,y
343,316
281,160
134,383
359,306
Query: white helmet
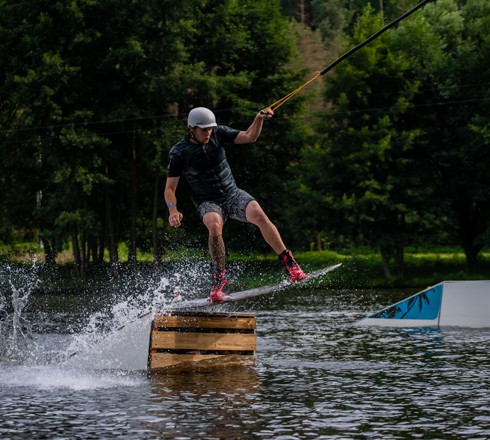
x,y
201,117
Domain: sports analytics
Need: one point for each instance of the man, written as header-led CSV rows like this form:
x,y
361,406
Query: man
x,y
200,158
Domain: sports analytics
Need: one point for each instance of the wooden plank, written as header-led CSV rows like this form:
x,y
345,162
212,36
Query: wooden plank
x,y
200,313
204,341
207,322
161,360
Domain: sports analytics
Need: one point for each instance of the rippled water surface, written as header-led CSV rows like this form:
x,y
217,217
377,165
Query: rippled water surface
x,y
316,376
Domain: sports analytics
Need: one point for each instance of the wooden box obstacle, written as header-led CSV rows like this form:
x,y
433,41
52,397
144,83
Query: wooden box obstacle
x,y
179,338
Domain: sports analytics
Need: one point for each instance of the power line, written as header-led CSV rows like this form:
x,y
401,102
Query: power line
x,y
107,131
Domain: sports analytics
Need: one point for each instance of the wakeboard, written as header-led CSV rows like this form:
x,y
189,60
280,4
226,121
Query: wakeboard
x,y
252,293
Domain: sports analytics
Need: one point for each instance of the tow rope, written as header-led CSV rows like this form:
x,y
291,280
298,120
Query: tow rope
x,y
286,98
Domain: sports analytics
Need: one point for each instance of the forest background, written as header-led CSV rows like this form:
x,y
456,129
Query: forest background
x,y
387,152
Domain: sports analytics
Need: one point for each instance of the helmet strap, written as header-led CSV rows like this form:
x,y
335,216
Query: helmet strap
x,y
193,136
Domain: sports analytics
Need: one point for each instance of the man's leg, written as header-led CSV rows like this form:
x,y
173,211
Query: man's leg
x,y
214,223
216,245
257,216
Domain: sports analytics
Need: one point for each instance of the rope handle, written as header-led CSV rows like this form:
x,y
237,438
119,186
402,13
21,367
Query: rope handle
x,y
274,106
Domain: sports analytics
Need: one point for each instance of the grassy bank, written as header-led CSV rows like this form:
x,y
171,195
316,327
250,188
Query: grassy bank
x,y
360,269
365,269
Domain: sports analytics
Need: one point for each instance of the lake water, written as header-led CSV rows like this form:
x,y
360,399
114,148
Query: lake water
x,y
316,375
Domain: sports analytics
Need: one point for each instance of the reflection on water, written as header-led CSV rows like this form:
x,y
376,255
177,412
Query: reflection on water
x,y
316,376
216,400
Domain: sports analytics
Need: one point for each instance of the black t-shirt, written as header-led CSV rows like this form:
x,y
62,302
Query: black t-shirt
x,y
204,166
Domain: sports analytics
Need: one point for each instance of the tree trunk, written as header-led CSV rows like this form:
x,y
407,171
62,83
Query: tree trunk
x,y
156,235
93,250
134,195
385,255
109,221
319,244
472,226
100,243
76,251
400,261
471,252
49,254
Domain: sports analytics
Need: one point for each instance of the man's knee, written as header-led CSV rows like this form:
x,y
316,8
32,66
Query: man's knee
x,y
215,228
214,223
262,219
258,217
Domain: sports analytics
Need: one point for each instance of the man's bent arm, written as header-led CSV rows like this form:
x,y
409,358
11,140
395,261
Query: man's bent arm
x,y
252,133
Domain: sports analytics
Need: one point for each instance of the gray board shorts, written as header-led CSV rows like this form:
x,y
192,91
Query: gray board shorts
x,y
233,207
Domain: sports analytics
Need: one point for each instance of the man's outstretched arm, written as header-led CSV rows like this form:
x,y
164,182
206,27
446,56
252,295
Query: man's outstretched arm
x,y
252,133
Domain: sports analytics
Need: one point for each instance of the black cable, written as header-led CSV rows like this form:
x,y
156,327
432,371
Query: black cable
x,y
372,37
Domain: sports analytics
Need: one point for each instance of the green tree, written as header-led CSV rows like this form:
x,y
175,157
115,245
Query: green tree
x,y
355,182
455,77
89,82
31,76
406,140
97,90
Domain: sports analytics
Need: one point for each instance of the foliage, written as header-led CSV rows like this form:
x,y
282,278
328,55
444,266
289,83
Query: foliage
x,y
453,151
93,94
402,159
91,101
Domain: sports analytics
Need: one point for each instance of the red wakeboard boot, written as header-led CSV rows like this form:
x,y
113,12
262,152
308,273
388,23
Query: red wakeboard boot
x,y
219,282
291,267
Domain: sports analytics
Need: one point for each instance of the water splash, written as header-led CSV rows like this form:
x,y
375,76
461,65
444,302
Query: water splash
x,y
117,337
114,336
54,377
16,285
